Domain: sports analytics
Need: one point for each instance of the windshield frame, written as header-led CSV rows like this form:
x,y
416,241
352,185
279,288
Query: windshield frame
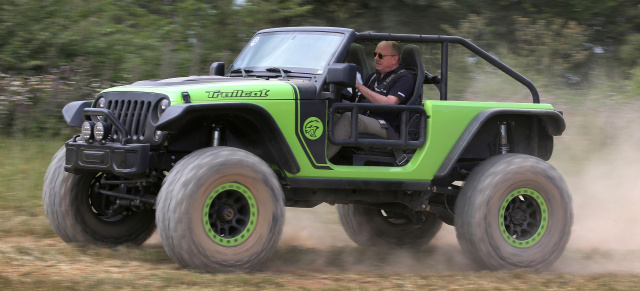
x,y
259,70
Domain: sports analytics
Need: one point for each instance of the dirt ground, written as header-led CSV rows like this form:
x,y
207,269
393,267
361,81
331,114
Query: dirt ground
x,y
600,164
314,254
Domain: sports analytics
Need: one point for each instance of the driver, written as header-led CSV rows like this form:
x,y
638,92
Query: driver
x,y
389,84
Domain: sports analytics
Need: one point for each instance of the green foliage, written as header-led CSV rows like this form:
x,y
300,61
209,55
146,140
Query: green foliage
x,y
551,46
608,20
131,40
58,51
634,82
31,105
629,52
473,28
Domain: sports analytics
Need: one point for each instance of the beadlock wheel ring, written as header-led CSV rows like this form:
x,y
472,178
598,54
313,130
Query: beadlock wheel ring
x,y
524,217
230,214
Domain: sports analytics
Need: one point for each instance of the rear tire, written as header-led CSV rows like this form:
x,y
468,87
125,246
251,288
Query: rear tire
x,y
221,209
75,218
514,211
372,227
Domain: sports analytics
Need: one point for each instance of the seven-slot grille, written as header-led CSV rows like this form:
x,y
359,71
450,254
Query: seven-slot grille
x,y
137,111
133,115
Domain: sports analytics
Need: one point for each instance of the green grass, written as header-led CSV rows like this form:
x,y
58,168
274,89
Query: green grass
x,y
24,163
22,171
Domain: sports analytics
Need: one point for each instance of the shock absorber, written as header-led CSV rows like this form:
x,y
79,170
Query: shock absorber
x,y
503,148
216,135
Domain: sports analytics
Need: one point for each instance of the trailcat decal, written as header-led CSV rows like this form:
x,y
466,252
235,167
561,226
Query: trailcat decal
x,y
237,93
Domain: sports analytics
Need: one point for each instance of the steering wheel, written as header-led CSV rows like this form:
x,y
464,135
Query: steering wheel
x,y
351,94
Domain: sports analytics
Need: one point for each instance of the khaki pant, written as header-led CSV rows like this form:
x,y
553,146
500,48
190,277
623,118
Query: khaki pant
x,y
342,130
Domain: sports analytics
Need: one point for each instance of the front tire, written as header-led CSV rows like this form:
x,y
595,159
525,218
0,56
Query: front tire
x,y
221,209
78,214
375,227
514,211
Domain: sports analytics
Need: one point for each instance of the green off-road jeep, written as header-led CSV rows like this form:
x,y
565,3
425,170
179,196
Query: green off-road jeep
x,y
212,161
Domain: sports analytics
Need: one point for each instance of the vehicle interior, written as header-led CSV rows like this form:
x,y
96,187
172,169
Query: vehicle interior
x,y
369,149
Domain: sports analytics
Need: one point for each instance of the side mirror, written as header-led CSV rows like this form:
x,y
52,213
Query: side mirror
x,y
216,69
343,75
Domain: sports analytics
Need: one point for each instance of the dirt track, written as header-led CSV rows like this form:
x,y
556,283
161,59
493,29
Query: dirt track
x,y
317,232
313,241
598,155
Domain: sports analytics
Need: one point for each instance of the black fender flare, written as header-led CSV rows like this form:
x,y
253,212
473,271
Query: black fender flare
x,y
72,112
552,121
181,115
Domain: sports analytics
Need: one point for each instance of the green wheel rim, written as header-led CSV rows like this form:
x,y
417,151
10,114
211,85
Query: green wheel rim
x,y
524,217
230,214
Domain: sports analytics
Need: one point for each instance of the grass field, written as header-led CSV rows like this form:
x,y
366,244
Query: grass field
x,y
315,253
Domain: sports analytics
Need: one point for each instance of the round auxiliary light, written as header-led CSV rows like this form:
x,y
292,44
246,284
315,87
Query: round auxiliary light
x,y
101,131
87,130
162,107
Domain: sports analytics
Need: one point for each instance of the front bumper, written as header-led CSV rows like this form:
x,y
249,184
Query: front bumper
x,y
123,160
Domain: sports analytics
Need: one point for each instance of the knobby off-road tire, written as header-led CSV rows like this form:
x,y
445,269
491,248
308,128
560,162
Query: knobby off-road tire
x,y
221,209
68,206
370,227
514,211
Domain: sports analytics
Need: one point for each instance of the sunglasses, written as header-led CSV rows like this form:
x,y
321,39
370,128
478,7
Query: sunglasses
x,y
381,56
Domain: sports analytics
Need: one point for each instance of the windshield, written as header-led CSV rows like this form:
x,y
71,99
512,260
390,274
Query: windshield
x,y
308,51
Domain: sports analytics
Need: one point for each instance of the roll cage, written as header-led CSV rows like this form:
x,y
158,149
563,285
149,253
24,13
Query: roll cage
x,y
350,37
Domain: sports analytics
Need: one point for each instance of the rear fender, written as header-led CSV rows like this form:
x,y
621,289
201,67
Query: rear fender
x,y
530,131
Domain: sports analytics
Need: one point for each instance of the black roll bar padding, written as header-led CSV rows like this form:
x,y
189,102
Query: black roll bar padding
x,y
444,68
124,134
355,108
458,40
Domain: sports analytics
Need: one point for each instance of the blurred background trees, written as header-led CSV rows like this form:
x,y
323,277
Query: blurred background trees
x,y
56,51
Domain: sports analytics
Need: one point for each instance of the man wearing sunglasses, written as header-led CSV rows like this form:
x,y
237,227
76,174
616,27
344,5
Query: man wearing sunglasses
x,y
389,84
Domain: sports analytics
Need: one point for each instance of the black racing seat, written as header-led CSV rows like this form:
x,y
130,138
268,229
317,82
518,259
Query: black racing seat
x,y
411,58
356,56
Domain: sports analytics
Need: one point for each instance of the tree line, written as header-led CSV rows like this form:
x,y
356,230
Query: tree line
x,y
78,46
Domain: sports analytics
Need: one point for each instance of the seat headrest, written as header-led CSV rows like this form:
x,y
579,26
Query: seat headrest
x,y
411,58
356,56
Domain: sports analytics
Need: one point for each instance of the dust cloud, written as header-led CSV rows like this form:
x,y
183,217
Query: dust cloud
x,y
313,240
600,160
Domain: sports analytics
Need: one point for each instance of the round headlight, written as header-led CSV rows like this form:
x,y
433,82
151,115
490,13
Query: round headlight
x,y
101,102
157,135
87,130
101,131
162,107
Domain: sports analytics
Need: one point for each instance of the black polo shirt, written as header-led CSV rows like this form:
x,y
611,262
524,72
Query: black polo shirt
x,y
401,85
